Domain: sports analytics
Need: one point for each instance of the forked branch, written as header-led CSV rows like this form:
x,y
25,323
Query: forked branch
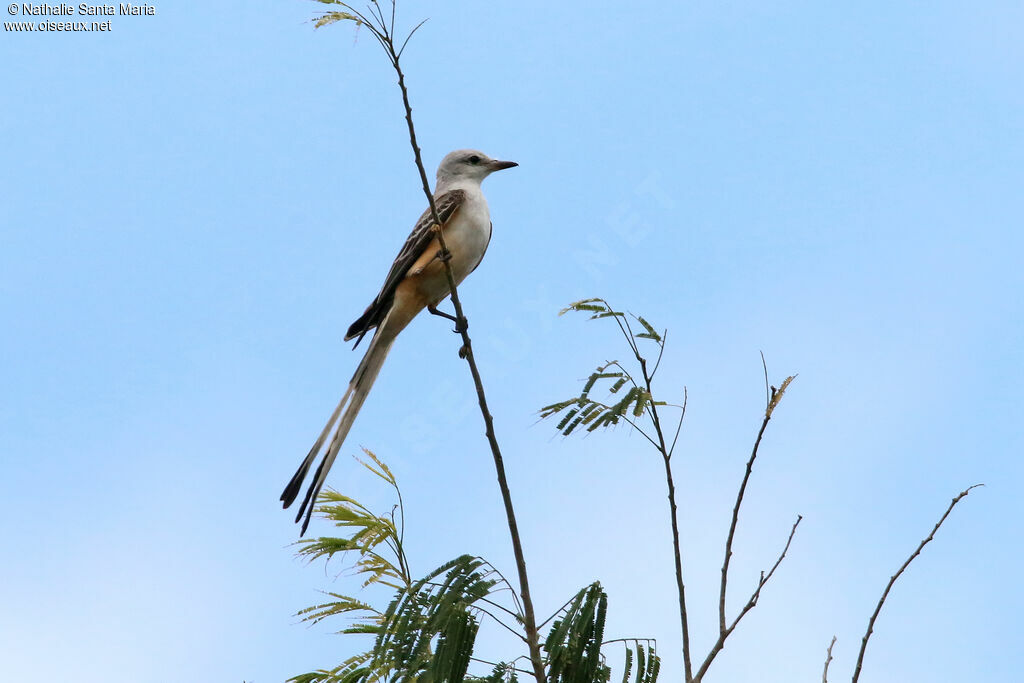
x,y
772,397
751,603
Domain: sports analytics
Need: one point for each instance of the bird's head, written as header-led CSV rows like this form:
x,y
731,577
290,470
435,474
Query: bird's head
x,y
468,164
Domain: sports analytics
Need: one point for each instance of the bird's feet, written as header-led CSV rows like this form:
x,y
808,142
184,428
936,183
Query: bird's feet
x,y
461,324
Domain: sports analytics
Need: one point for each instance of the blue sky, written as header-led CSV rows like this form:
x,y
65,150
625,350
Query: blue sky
x,y
197,204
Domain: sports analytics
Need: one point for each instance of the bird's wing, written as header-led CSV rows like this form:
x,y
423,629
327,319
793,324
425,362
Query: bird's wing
x,y
420,237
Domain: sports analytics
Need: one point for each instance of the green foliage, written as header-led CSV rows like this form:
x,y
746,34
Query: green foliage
x,y
630,388
648,664
352,669
602,309
377,539
428,630
333,16
574,643
503,672
587,412
425,635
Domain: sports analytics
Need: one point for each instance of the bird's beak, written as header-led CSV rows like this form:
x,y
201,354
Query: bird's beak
x,y
501,165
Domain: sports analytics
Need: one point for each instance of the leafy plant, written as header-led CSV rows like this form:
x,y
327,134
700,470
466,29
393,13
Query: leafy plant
x,y
428,630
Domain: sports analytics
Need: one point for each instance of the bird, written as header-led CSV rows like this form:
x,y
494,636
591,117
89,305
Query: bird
x,y
416,281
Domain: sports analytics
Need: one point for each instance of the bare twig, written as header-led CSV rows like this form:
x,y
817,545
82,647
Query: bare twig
x,y
771,399
894,577
497,571
529,620
383,31
732,525
764,365
828,660
666,456
751,603
508,628
679,425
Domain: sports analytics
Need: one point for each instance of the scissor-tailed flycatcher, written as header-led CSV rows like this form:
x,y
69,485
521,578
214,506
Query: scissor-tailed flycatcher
x,y
417,280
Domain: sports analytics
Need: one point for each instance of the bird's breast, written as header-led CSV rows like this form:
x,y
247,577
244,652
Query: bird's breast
x,y
467,236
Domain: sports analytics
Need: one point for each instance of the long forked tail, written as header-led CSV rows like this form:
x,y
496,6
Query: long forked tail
x,y
355,395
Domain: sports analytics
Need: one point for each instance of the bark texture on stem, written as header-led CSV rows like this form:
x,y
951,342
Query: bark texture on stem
x,y
529,614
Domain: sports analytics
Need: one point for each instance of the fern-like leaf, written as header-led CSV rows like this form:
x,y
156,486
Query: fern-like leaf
x,y
573,644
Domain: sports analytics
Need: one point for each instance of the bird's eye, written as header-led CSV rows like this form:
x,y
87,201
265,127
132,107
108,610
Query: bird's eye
x,y
474,159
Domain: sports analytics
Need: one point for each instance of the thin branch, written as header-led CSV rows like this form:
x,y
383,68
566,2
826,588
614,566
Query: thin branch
x,y
767,394
484,661
632,337
628,335
511,630
408,37
652,410
674,514
652,643
632,423
379,16
529,620
682,414
661,352
751,603
515,598
401,535
512,614
828,660
558,611
732,525
894,577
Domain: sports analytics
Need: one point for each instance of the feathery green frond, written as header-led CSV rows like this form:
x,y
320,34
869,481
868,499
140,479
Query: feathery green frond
x,y
568,416
438,606
596,305
649,333
574,642
648,664
381,470
376,539
343,604
583,410
633,403
328,18
349,671
653,669
608,314
628,666
503,672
